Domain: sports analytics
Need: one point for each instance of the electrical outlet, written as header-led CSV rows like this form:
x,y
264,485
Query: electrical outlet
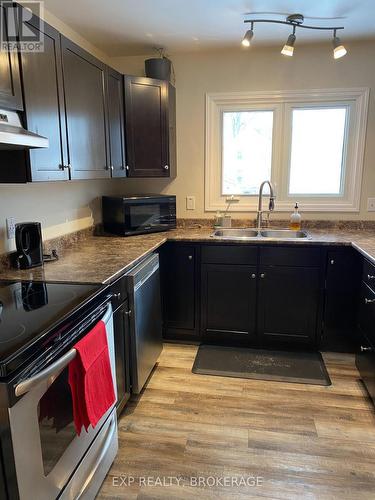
x,y
190,202
371,204
11,227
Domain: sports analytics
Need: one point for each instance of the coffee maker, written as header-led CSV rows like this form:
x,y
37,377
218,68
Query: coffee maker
x,y
29,244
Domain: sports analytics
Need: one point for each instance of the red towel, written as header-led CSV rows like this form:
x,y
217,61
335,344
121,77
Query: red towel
x,y
90,379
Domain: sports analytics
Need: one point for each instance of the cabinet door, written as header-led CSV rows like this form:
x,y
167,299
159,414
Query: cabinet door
x,y
44,105
122,354
177,268
10,82
147,133
229,302
342,288
115,107
288,304
84,85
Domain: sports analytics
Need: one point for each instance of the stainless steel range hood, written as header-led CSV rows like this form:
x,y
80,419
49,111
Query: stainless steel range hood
x,y
14,136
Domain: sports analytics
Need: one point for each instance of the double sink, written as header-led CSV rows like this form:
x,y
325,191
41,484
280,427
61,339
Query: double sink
x,y
259,234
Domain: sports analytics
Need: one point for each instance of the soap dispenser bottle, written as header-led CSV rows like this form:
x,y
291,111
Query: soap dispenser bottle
x,y
295,219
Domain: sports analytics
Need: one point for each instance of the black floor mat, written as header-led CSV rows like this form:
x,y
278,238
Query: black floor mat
x,y
282,366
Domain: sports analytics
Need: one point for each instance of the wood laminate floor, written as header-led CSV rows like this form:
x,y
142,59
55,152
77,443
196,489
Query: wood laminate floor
x,y
299,441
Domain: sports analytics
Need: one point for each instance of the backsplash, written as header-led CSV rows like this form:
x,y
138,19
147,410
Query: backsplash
x,y
306,224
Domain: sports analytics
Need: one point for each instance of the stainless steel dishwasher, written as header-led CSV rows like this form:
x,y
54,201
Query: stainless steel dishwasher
x,y
145,320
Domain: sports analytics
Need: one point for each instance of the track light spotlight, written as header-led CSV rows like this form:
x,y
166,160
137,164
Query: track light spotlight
x,y
338,49
288,48
248,37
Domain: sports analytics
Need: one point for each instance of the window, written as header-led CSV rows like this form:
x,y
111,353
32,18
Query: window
x,y
247,151
310,144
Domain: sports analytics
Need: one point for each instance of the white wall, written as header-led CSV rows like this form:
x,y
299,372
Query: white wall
x,y
260,68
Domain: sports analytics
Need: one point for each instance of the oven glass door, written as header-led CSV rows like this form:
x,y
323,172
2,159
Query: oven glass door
x,y
149,215
46,447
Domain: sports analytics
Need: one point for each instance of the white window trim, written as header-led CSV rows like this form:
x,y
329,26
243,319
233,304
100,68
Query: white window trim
x,y
356,98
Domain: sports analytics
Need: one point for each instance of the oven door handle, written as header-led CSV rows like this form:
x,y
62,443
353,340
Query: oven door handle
x,y
51,373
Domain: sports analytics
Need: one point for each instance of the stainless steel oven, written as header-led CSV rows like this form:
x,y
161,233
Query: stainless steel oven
x,y
128,215
50,459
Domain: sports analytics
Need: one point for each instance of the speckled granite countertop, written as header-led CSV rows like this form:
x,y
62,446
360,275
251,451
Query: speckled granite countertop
x,y
101,259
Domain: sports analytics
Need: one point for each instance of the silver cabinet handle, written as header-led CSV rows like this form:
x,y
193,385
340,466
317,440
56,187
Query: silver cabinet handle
x,y
253,276
128,313
332,262
117,295
51,372
111,167
127,168
365,349
262,275
370,277
166,167
190,257
369,301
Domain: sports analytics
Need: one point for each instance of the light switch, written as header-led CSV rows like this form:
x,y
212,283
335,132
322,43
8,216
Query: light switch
x,y
190,202
371,204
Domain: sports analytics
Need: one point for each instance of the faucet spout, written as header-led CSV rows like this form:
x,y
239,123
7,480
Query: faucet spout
x,y
271,204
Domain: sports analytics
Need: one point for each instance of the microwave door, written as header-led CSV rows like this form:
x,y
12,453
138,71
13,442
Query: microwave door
x,y
147,216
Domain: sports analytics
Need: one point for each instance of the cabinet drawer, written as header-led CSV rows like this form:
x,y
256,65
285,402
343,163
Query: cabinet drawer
x,y
290,256
119,292
229,254
369,274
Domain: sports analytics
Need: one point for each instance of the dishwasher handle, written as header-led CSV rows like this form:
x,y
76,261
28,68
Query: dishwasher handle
x,y
146,277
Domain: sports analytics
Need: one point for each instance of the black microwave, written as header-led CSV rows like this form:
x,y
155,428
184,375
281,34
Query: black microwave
x,y
140,214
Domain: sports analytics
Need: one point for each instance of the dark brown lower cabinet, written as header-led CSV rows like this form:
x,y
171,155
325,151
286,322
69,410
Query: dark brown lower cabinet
x,y
289,299
179,276
343,277
228,295
365,362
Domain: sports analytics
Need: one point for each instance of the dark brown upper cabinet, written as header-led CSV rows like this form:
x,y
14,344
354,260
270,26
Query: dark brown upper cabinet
x,y
115,108
10,82
44,106
150,127
85,102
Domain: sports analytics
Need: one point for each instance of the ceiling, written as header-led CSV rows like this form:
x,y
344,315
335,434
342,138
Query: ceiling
x,y
134,27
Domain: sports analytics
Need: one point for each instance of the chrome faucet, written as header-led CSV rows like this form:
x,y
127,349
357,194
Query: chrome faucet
x,y
271,204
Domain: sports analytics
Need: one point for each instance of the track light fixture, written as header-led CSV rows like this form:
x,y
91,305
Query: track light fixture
x,y
248,36
296,21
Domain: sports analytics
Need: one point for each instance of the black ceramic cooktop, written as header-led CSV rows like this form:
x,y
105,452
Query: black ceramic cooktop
x,y
29,309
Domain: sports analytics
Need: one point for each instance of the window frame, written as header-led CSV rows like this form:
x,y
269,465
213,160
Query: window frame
x,y
283,103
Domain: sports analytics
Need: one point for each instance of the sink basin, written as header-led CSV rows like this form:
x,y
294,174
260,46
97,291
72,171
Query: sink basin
x,y
239,234
283,234
252,233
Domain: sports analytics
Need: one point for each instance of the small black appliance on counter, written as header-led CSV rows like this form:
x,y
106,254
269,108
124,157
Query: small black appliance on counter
x,y
29,244
139,214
